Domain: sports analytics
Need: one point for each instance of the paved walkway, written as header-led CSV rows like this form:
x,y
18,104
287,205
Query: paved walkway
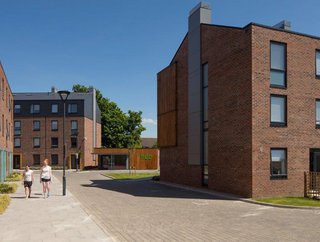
x,y
57,218
148,211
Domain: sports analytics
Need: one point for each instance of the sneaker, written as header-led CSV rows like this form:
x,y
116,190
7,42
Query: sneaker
x,y
44,195
48,195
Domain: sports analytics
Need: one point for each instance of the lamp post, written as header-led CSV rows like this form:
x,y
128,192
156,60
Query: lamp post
x,y
64,96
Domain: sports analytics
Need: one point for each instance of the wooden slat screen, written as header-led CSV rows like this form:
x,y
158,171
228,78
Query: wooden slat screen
x,y
167,107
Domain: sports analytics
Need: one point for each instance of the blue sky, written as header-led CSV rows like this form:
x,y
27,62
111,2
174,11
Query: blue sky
x,y
118,46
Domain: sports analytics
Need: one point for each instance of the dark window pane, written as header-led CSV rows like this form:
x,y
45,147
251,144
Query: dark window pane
x,y
36,125
17,108
36,160
54,125
277,56
54,108
54,159
278,109
54,142
74,142
17,142
72,108
318,63
277,78
36,142
205,74
278,162
318,112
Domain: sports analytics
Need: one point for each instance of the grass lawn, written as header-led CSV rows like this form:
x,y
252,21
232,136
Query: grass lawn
x,y
293,201
132,176
4,202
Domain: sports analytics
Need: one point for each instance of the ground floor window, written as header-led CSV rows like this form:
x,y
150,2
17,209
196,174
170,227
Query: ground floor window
x,y
113,162
54,159
36,160
278,166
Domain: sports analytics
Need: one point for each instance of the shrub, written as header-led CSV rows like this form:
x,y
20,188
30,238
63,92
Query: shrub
x,y
8,188
4,202
15,176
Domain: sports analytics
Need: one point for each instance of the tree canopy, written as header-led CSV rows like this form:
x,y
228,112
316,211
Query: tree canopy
x,y
118,129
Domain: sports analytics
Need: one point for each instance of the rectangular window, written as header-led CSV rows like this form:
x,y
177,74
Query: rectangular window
x,y
36,142
74,127
3,125
54,108
278,166
35,108
17,108
318,113
74,142
72,108
36,125
54,159
278,110
36,160
54,142
17,127
278,64
54,125
318,63
205,76
17,142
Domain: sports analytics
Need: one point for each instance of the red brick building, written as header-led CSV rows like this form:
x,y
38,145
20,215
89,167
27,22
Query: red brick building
x,y
239,108
6,124
38,128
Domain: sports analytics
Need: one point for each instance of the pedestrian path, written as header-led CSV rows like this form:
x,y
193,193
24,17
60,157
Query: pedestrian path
x,y
57,218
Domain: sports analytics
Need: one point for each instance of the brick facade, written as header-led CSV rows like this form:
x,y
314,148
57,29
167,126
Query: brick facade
x,y
6,124
84,135
240,136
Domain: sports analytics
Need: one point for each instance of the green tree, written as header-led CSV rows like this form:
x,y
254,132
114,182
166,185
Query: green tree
x,y
118,129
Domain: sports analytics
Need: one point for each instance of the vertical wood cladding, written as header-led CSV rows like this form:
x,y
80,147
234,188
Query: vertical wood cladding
x,y
167,106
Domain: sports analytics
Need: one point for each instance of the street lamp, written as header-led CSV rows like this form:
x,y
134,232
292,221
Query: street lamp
x,y
64,96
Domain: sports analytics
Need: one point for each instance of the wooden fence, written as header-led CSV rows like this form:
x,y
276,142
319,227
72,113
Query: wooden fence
x,y
312,184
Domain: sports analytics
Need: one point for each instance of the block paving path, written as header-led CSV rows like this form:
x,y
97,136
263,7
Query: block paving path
x,y
149,211
57,218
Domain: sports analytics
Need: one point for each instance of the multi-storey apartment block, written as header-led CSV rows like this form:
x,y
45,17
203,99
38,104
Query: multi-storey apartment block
x,y
6,124
38,128
239,108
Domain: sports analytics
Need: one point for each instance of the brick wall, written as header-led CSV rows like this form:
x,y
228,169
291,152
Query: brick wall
x,y
84,130
174,160
300,134
6,117
228,53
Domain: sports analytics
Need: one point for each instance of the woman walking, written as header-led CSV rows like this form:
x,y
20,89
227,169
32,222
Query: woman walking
x,y
45,178
27,181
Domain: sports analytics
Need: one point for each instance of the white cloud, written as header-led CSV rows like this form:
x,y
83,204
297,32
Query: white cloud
x,y
149,121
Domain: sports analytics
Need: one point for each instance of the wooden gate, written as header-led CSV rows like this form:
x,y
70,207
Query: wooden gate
x,y
312,184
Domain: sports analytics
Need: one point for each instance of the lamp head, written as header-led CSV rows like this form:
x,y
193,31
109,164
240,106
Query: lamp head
x,y
63,94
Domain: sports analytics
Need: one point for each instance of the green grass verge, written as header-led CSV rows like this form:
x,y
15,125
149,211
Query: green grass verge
x,y
8,188
4,202
292,201
132,176
15,176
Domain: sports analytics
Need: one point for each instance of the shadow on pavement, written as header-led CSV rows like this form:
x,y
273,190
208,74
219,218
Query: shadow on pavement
x,y
148,188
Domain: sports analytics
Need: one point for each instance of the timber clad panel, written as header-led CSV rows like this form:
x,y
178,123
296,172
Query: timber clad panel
x,y
167,125
167,86
167,106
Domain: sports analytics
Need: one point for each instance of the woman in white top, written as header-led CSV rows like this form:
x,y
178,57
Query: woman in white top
x,y
45,178
27,181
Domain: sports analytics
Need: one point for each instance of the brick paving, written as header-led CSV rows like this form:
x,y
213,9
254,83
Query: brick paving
x,y
147,211
57,218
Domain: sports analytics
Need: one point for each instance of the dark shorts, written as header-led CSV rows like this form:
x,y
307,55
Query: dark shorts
x,y
27,184
45,180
